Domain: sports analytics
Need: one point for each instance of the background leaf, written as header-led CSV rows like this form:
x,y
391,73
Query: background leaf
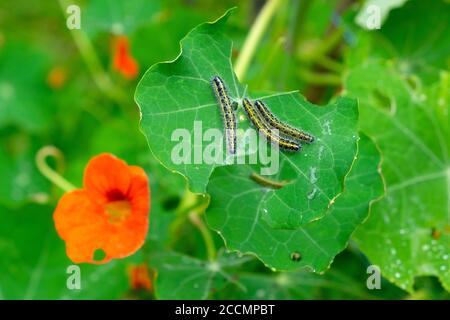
x,y
116,16
342,281
184,277
22,87
21,180
398,236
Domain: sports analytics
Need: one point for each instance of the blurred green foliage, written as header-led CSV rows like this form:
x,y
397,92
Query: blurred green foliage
x,y
49,96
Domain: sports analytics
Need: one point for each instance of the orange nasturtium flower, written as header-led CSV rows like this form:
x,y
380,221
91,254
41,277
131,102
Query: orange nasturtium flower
x,y
140,277
110,213
123,61
57,77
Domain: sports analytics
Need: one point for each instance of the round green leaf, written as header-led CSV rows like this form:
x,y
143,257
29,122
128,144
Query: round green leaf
x,y
235,212
406,233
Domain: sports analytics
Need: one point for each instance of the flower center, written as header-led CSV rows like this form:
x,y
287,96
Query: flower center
x,y
118,211
118,207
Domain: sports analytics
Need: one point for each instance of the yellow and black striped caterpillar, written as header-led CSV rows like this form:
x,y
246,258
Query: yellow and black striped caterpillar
x,y
226,106
283,128
259,123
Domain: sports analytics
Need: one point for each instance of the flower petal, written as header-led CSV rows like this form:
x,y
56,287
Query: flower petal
x,y
130,235
123,61
139,191
79,222
104,175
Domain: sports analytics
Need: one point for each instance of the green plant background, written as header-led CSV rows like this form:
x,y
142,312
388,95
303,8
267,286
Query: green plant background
x,y
215,233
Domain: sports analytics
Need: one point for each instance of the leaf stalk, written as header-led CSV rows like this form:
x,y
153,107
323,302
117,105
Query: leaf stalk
x,y
48,172
254,37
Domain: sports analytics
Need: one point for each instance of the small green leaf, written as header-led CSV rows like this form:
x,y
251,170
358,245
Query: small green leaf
x,y
342,281
406,232
235,213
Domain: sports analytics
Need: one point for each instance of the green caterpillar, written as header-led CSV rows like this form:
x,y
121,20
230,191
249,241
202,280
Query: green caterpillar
x,y
259,124
284,128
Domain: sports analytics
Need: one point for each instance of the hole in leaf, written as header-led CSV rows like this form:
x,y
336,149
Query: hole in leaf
x,y
171,203
384,101
99,255
296,256
435,233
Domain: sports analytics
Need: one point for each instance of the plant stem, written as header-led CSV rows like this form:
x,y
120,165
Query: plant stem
x,y
254,37
197,221
329,43
92,61
48,172
320,79
330,64
320,53
191,207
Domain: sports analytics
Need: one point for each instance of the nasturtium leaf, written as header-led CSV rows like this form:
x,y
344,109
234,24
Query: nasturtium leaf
x,y
183,277
24,95
235,212
407,232
281,286
34,264
415,38
177,95
117,16
314,175
342,281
